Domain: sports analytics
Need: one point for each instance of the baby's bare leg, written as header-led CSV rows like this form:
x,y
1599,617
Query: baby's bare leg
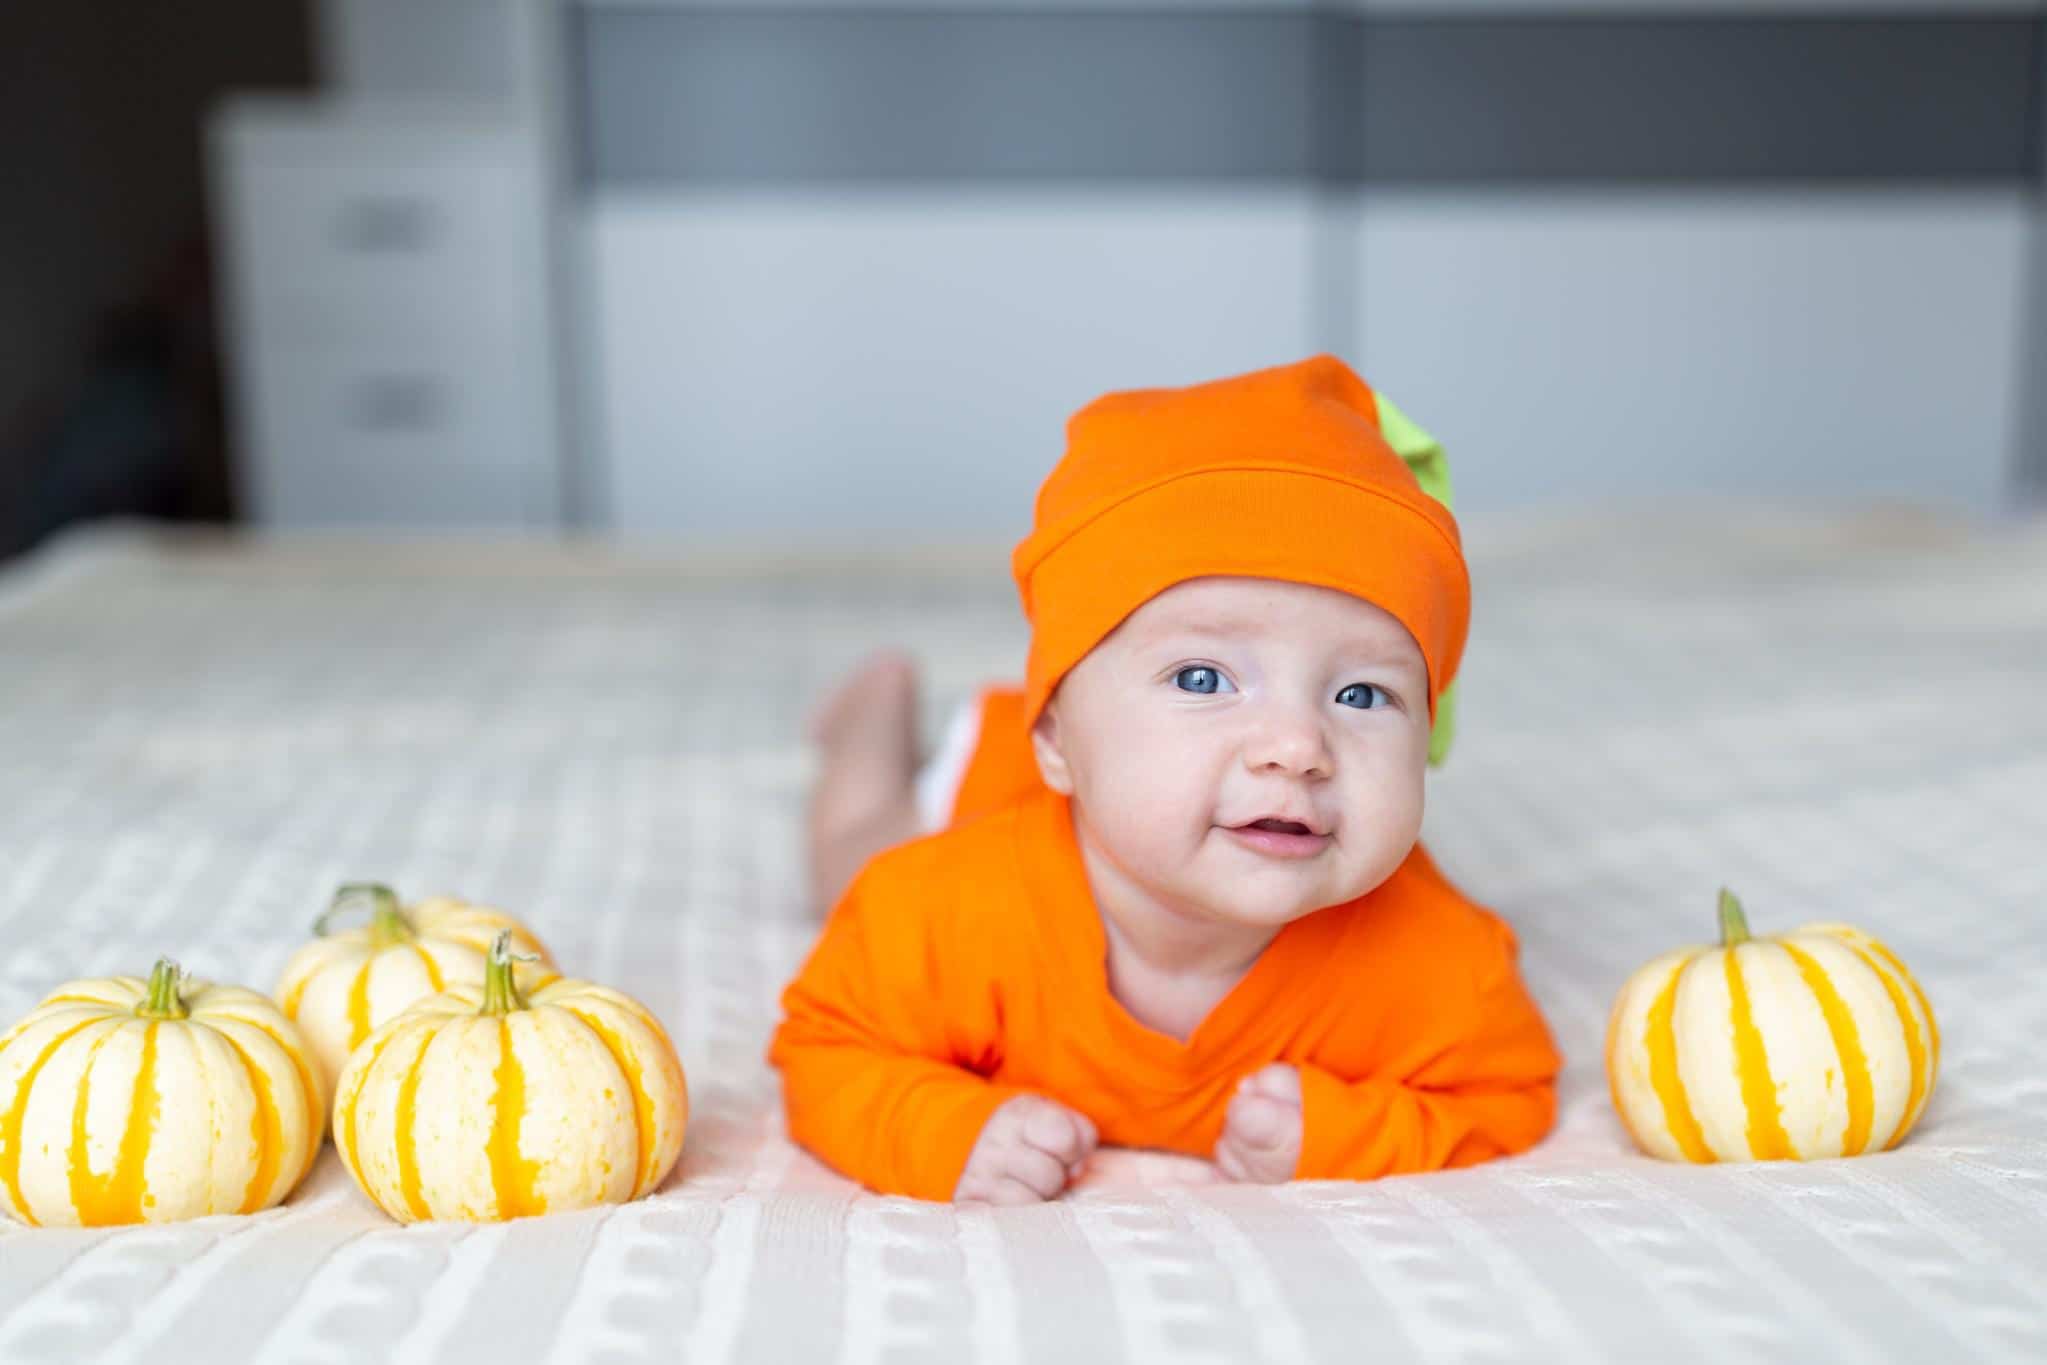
x,y
865,798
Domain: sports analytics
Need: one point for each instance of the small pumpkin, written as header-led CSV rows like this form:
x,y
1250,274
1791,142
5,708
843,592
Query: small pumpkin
x,y
1816,1043
132,1101
346,982
486,1104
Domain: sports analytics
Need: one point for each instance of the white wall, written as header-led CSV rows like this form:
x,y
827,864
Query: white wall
x,y
847,365
1799,344
902,362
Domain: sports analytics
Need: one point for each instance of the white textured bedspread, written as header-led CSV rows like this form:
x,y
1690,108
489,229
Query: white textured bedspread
x,y
1841,719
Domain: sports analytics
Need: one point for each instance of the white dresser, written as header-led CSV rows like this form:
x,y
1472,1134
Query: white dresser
x,y
390,277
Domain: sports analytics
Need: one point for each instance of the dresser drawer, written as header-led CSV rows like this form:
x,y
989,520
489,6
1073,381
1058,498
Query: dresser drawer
x,y
353,227
403,435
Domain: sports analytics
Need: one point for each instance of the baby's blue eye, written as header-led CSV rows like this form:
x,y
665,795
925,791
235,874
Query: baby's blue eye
x,y
1359,695
1199,678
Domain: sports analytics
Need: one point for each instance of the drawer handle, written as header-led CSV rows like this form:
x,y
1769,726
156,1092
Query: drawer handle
x,y
384,224
396,403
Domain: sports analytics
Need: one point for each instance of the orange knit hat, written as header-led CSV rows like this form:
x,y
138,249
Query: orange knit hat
x,y
1299,472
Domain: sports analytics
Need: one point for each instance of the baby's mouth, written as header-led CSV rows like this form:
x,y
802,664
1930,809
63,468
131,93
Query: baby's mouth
x,y
1277,838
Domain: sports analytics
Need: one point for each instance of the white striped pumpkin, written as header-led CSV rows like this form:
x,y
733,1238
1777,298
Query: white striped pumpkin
x,y
131,1101
347,982
482,1105
1816,1043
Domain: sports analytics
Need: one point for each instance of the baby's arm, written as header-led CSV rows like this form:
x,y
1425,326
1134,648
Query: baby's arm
x,y
1487,1090
1261,1139
879,1035
1029,1150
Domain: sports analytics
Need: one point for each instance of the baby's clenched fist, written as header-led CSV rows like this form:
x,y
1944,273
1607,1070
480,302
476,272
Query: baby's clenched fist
x,y
1028,1151
1261,1138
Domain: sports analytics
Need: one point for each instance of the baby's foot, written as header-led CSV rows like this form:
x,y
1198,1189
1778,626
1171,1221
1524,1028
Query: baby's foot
x,y
865,798
1261,1140
1029,1150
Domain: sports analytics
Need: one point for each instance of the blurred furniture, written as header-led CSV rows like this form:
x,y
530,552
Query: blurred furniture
x,y
392,274
842,270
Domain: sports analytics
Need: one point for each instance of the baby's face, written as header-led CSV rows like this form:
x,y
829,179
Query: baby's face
x,y
1244,750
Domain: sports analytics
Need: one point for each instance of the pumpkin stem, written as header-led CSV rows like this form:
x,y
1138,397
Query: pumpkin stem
x,y
1733,923
388,924
500,991
166,999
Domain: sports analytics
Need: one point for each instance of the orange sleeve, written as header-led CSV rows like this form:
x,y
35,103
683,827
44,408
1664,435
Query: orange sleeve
x,y
1489,1090
880,1036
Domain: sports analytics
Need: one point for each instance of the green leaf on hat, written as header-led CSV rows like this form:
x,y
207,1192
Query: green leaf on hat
x,y
1431,468
1423,452
1445,728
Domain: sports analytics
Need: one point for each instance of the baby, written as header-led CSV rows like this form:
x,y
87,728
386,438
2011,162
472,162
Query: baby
x,y
1178,900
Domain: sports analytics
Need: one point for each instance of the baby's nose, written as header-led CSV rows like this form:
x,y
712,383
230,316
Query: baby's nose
x,y
1289,743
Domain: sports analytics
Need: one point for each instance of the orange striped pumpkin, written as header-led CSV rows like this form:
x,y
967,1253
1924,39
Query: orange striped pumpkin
x,y
347,982
132,1101
1816,1043
482,1104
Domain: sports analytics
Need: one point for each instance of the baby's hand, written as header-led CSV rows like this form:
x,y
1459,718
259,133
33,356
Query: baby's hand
x,y
1261,1138
1028,1151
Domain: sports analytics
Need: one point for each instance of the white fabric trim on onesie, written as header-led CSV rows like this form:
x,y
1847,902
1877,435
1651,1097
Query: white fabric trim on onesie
x,y
938,781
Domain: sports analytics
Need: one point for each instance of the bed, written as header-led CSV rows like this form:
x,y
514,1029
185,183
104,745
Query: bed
x,y
1838,714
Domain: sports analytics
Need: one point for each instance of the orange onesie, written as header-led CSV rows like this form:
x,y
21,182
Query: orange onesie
x,y
967,967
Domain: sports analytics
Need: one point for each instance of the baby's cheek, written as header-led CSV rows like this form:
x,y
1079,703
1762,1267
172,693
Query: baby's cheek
x,y
1383,818
1157,792
1146,835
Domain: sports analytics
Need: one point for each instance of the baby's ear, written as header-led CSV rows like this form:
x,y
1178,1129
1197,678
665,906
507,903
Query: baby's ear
x,y
1051,758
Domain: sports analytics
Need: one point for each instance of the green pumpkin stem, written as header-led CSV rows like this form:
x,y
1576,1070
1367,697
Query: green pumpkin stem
x,y
166,999
500,990
388,924
1733,923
